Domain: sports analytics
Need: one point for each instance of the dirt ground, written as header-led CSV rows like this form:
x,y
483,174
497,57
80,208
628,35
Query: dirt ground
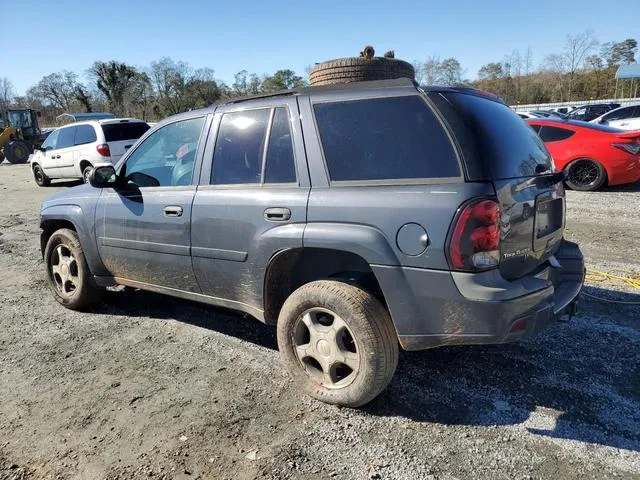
x,y
148,386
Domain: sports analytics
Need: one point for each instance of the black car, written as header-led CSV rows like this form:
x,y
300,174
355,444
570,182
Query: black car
x,y
587,113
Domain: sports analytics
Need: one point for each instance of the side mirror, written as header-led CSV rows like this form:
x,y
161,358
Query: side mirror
x,y
103,176
604,122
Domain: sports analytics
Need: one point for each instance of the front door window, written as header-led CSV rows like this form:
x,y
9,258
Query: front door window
x,y
165,157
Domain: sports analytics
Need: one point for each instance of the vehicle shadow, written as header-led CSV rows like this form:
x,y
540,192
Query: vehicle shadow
x,y
629,187
65,183
138,303
578,380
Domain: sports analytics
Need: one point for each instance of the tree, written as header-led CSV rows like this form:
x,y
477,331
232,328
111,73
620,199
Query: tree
x,y
113,79
451,72
7,93
140,95
246,84
282,80
57,89
576,50
83,97
170,80
202,89
619,53
431,71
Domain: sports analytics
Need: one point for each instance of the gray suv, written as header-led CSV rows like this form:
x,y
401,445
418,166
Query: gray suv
x,y
356,218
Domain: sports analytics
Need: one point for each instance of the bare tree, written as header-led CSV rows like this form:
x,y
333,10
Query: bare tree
x,y
7,93
432,71
58,89
575,53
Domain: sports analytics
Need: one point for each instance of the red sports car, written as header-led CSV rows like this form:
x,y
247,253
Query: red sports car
x,y
592,155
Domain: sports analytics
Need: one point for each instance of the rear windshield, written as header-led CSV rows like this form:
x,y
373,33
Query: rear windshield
x,y
116,132
494,140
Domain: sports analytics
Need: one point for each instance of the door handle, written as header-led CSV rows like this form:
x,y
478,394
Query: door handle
x,y
172,211
55,156
277,214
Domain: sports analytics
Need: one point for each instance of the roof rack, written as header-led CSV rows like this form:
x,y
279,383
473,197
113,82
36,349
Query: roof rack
x,y
398,82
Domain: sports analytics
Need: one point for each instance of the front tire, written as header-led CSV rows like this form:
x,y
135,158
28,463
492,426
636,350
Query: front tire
x,y
338,342
40,177
17,152
585,175
68,274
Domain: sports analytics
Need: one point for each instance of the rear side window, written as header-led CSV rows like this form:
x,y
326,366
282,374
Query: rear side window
x,y
118,132
555,134
280,166
66,137
491,134
237,158
85,134
384,139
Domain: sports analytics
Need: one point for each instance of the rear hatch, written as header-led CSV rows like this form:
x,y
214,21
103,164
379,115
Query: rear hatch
x,y
121,135
498,147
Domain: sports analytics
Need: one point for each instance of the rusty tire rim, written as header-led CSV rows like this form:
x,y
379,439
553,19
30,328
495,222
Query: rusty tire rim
x,y
326,348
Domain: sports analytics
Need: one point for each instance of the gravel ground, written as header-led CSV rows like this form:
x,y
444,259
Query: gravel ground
x,y
152,387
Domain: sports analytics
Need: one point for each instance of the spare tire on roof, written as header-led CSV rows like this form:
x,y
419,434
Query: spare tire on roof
x,y
360,69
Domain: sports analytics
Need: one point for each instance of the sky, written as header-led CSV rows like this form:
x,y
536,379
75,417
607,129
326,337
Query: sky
x,y
262,37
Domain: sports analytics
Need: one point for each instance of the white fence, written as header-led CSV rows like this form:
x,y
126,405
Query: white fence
x,y
546,106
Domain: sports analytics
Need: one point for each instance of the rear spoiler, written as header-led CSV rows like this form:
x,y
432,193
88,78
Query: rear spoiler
x,y
631,134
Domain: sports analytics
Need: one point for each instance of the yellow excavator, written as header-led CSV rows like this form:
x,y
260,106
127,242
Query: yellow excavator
x,y
20,135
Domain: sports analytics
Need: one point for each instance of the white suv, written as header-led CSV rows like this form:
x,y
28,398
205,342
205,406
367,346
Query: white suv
x,y
72,150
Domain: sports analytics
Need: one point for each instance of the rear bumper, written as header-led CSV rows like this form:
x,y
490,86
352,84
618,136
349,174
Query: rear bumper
x,y
625,170
433,308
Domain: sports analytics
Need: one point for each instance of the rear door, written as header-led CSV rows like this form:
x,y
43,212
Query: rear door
x,y
499,147
252,198
121,135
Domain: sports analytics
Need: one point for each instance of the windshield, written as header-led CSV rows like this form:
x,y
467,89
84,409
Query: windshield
x,y
19,118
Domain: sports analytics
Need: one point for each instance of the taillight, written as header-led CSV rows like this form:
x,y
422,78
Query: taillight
x,y
475,241
632,148
103,149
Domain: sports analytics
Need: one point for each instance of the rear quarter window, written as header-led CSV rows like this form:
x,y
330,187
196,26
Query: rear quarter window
x,y
117,132
555,134
378,139
494,140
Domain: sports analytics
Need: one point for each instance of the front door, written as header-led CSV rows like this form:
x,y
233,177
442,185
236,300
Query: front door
x,y
144,228
252,199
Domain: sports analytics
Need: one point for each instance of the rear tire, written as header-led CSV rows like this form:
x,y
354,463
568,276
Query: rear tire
x,y
68,274
86,171
40,177
337,342
17,152
586,175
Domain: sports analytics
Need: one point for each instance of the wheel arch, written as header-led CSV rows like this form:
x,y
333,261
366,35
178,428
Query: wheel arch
x,y
289,269
73,217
